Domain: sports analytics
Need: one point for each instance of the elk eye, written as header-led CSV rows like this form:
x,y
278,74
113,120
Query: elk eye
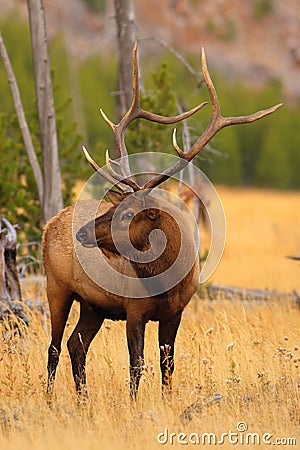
x,y
128,215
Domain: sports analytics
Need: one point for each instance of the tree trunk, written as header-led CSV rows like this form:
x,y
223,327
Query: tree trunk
x,y
126,34
52,199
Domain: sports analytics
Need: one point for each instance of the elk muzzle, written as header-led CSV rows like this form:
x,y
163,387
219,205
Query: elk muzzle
x,y
86,236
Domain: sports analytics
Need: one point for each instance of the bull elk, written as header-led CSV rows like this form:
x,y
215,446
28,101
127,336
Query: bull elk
x,y
135,210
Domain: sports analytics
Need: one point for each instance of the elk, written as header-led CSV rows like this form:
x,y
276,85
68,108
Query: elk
x,y
133,210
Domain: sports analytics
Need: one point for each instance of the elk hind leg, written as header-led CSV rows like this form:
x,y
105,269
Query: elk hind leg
x,y
135,329
166,335
86,329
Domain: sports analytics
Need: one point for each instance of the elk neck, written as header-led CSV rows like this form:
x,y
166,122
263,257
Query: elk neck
x,y
159,261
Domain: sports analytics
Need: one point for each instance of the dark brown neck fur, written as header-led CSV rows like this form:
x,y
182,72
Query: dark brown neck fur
x,y
172,247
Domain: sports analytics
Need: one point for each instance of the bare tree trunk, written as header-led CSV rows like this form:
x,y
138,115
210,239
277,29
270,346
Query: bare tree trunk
x,y
48,181
52,200
126,34
37,172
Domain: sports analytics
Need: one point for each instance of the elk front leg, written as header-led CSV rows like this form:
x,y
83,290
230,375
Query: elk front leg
x,y
86,329
60,303
135,339
166,334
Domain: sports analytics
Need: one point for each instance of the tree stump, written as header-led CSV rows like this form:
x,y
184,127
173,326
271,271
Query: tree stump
x,y
10,291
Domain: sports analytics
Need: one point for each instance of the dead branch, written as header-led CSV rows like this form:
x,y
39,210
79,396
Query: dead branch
x,y
197,75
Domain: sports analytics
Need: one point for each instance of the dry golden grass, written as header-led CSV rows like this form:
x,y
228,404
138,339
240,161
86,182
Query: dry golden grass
x,y
263,227
248,353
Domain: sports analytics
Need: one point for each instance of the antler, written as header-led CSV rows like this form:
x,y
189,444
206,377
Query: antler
x,y
134,112
124,179
110,178
216,123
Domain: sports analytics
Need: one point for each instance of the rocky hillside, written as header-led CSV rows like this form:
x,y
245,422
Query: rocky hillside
x,y
256,38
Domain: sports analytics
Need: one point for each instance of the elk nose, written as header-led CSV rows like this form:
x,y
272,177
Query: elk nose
x,y
81,235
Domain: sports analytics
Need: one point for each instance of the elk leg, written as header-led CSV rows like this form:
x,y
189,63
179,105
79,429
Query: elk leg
x,y
60,304
135,339
86,329
166,335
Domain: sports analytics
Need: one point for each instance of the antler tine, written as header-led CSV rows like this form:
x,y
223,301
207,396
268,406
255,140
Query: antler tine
x,y
227,121
120,128
125,181
122,186
216,123
136,112
168,120
109,168
178,150
109,160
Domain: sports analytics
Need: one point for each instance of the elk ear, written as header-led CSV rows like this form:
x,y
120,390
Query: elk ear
x,y
115,197
152,213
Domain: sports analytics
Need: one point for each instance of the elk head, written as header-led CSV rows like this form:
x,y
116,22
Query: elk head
x,y
134,215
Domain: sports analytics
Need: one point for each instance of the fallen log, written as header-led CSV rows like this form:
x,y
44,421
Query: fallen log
x,y
197,408
295,258
217,292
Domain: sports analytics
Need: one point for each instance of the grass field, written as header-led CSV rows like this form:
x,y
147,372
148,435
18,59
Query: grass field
x,y
263,227
248,353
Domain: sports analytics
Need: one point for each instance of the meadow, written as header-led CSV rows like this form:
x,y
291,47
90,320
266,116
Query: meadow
x,y
247,352
262,229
